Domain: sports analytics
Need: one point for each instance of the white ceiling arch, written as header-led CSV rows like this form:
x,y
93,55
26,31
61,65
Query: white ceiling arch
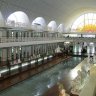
x,y
58,10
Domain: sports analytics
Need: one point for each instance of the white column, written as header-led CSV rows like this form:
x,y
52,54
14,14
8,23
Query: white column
x,y
88,49
4,54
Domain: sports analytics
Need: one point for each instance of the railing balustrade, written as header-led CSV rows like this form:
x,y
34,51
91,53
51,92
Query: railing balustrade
x,y
26,39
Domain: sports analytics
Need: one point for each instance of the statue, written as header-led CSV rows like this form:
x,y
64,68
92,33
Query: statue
x,y
62,90
62,93
58,50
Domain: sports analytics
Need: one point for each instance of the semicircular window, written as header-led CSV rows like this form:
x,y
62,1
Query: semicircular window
x,y
85,23
18,19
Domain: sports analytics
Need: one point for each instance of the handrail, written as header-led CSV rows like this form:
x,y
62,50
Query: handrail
x,y
81,39
25,39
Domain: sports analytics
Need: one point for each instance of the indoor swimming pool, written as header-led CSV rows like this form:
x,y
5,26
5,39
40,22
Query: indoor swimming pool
x,y
40,83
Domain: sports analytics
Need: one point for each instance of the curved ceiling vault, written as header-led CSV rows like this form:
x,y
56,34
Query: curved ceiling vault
x,y
65,11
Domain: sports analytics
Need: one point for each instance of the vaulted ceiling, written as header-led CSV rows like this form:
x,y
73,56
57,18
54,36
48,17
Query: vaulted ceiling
x,y
62,11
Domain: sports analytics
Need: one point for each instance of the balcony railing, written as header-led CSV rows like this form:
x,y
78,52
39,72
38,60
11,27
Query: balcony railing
x,y
81,39
27,39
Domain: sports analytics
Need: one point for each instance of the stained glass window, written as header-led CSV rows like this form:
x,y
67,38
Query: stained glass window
x,y
85,23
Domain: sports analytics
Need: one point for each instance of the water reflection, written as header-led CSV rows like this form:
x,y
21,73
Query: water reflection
x,y
59,73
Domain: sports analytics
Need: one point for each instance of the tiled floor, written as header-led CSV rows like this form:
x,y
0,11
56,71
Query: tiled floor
x,y
39,83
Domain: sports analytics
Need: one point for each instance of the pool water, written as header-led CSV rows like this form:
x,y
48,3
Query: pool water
x,y
38,84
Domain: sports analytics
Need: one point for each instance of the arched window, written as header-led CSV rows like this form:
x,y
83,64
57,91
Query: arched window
x,y
52,26
61,28
18,19
85,23
39,24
